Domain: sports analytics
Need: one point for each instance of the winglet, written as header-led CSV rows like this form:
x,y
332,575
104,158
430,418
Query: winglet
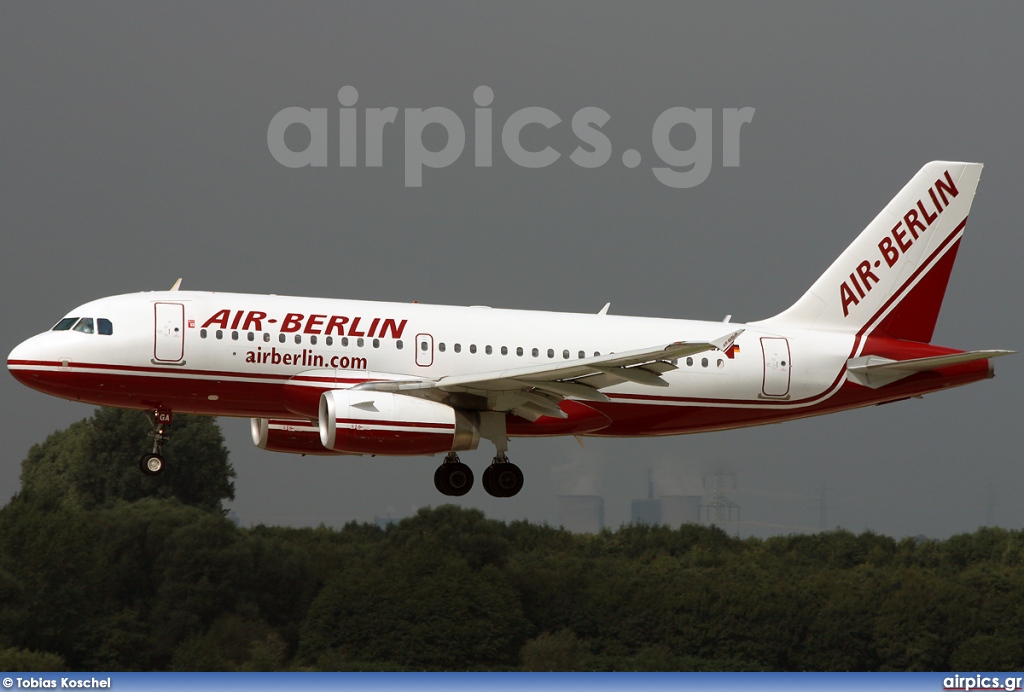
x,y
176,285
604,310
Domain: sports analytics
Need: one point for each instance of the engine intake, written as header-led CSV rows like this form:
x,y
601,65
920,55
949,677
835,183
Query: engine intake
x,y
368,422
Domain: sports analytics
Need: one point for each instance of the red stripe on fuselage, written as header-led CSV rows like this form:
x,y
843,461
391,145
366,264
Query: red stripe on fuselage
x,y
645,418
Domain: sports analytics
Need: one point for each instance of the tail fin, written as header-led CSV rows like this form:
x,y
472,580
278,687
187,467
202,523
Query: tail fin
x,y
893,277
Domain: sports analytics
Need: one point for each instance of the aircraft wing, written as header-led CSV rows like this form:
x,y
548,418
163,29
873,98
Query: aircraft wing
x,y
535,390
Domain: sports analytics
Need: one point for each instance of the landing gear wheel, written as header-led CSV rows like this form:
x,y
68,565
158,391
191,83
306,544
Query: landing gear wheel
x,y
460,479
151,464
487,479
440,483
503,478
453,478
508,479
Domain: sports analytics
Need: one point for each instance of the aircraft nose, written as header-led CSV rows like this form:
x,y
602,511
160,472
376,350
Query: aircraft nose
x,y
21,357
18,353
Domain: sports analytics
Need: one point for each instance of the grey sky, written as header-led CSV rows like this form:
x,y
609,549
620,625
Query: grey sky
x,y
133,151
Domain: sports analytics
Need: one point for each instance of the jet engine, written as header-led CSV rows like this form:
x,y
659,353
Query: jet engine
x,y
291,436
369,422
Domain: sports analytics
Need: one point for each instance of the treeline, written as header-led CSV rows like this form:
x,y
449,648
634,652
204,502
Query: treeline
x,y
98,572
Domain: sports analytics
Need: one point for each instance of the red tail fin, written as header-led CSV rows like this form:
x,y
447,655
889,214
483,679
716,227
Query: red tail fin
x,y
914,318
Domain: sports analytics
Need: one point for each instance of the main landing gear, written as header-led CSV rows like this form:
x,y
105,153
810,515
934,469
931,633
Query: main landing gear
x,y
452,477
152,463
501,479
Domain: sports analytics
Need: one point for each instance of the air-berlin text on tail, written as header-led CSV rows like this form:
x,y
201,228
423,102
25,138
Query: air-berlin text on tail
x,y
898,241
342,325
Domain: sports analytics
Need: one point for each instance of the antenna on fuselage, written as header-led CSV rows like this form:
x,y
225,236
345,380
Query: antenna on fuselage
x,y
176,285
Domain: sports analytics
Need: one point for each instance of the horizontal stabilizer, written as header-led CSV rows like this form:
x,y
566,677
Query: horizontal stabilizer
x,y
875,371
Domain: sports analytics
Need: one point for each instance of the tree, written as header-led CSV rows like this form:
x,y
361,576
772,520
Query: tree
x,y
94,463
22,661
428,598
559,652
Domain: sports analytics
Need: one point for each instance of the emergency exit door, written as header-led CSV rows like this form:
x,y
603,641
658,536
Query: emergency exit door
x,y
424,350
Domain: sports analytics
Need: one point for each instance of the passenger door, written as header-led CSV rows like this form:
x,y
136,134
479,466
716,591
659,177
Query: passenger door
x,y
168,332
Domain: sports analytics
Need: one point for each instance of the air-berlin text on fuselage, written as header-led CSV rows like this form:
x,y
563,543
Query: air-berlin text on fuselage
x,y
903,235
342,325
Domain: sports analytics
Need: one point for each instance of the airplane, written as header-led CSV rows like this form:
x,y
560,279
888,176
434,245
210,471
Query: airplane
x,y
348,377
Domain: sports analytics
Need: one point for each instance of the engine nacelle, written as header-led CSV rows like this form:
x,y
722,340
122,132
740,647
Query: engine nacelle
x,y
291,436
368,422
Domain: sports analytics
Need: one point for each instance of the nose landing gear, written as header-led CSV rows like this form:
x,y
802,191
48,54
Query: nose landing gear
x,y
152,463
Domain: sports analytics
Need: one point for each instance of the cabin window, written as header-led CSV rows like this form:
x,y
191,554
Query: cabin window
x,y
250,336
689,361
519,350
472,348
582,354
504,350
266,336
65,324
359,342
298,338
399,344
376,343
344,341
440,347
85,325
565,354
458,348
105,326
551,353
281,338
202,333
330,341
220,334
487,350
703,362
721,363
535,352
312,340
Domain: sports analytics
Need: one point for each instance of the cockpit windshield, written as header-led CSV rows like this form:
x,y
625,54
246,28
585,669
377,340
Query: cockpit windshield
x,y
65,324
86,325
